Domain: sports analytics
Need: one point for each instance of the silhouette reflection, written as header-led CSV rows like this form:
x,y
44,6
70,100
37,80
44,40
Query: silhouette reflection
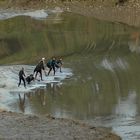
x,y
54,88
22,103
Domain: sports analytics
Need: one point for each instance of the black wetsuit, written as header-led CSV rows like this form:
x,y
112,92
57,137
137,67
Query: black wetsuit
x,y
49,63
51,66
21,77
59,64
29,78
39,69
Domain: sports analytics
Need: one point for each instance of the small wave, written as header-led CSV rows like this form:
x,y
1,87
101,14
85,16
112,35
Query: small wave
x,y
37,14
118,63
107,64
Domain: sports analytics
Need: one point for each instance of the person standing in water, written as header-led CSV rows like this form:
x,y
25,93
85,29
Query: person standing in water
x,y
51,65
38,69
22,77
59,64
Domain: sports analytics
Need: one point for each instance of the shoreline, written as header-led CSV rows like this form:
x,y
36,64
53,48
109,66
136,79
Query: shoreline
x,y
121,14
21,126
127,14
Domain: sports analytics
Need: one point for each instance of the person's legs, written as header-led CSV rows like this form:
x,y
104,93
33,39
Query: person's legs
x,y
60,69
41,75
36,74
53,70
57,67
49,70
23,81
19,81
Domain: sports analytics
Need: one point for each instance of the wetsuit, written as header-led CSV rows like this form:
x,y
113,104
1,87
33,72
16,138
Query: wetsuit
x,y
49,63
39,68
51,66
59,64
21,77
29,78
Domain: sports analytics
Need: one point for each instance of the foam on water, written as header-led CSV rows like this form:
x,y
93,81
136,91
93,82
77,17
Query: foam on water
x,y
37,14
9,89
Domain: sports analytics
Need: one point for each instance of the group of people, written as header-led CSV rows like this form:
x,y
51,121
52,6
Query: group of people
x,y
52,64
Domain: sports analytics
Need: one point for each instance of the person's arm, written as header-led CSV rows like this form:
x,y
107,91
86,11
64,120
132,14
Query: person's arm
x,y
23,73
44,68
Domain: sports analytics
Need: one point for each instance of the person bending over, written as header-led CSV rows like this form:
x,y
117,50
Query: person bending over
x,y
40,66
59,64
29,78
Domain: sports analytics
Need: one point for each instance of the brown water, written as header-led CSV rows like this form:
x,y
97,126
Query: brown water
x,y
105,61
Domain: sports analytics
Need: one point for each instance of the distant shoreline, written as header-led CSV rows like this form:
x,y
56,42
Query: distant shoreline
x,y
128,14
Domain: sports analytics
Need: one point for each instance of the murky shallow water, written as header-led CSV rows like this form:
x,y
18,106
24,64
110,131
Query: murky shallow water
x,y
101,61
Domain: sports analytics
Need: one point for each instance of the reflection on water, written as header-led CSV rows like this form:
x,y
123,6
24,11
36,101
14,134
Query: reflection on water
x,y
22,103
105,60
40,101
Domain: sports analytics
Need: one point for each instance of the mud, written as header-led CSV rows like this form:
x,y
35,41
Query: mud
x,y
18,126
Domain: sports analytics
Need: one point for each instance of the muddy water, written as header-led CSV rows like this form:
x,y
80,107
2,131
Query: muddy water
x,y
105,61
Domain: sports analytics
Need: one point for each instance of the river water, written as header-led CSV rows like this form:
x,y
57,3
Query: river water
x,y
99,83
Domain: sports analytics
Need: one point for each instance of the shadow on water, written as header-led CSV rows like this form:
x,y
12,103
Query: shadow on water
x,y
105,60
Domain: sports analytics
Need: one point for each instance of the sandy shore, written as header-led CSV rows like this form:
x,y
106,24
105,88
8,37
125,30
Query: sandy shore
x,y
29,127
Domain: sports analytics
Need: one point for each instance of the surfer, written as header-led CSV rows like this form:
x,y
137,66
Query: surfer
x,y
30,78
51,65
22,77
59,64
38,69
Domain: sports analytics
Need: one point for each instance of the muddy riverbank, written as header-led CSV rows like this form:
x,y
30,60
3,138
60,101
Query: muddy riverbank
x,y
19,126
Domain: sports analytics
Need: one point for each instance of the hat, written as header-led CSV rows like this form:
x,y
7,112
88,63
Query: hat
x,y
43,58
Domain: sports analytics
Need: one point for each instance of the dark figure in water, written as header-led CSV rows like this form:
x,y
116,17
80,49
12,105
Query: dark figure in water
x,y
21,77
30,78
59,64
51,65
39,68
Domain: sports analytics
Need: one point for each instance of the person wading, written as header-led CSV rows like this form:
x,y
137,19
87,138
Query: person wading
x,y
38,69
51,65
59,64
22,77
